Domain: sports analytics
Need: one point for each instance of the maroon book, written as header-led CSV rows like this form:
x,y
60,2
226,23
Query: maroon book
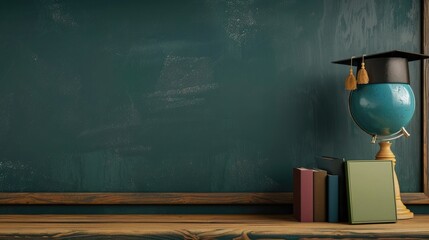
x,y
303,194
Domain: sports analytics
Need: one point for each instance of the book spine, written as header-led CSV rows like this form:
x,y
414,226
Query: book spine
x,y
336,166
319,195
303,194
332,192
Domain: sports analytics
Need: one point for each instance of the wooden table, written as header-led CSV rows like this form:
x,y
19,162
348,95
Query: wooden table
x,y
197,227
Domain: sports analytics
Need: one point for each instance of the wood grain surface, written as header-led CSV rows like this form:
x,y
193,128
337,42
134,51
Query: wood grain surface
x,y
165,198
145,198
197,227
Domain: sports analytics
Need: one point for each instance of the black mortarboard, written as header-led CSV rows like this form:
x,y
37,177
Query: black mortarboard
x,y
387,67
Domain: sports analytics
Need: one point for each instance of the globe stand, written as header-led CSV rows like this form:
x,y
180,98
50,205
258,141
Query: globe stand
x,y
386,153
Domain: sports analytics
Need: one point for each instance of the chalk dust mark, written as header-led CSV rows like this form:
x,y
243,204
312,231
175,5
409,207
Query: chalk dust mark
x,y
240,23
182,82
17,172
183,91
180,72
59,15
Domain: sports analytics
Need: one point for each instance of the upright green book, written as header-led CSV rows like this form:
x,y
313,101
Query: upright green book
x,y
371,192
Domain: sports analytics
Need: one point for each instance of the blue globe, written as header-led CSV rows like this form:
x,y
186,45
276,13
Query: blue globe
x,y
382,109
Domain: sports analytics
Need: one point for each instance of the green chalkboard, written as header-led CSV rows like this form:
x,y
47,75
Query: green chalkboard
x,y
189,96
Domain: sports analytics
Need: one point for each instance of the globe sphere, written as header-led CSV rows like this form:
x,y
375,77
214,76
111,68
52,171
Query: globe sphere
x,y
382,109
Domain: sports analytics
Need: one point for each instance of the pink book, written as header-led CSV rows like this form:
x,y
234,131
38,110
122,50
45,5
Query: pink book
x,y
303,194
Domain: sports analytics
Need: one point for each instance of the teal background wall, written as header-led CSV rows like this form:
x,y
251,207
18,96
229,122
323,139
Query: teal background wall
x,y
187,96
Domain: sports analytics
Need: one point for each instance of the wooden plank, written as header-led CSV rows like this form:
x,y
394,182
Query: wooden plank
x,y
165,198
414,198
198,227
145,198
425,93
141,218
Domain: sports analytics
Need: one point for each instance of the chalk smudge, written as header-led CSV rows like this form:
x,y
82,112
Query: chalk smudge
x,y
20,173
182,82
240,20
184,91
58,14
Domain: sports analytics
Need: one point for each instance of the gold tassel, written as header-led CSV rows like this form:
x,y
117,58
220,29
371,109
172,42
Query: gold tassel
x,y
351,80
362,75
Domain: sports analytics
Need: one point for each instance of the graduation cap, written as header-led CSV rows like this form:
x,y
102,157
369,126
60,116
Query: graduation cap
x,y
386,67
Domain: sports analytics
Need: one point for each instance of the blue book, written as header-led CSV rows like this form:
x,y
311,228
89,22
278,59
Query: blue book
x,y
335,166
332,198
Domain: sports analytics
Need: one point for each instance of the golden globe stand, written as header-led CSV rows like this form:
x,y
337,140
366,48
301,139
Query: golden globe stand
x,y
386,153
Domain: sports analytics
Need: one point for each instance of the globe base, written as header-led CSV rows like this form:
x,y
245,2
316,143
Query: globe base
x,y
386,153
403,213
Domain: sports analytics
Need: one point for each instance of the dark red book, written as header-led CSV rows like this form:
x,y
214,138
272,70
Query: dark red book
x,y
303,194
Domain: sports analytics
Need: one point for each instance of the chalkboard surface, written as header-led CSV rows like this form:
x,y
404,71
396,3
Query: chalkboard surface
x,y
188,96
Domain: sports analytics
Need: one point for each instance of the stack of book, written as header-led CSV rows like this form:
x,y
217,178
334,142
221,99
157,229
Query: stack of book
x,y
358,191
315,195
